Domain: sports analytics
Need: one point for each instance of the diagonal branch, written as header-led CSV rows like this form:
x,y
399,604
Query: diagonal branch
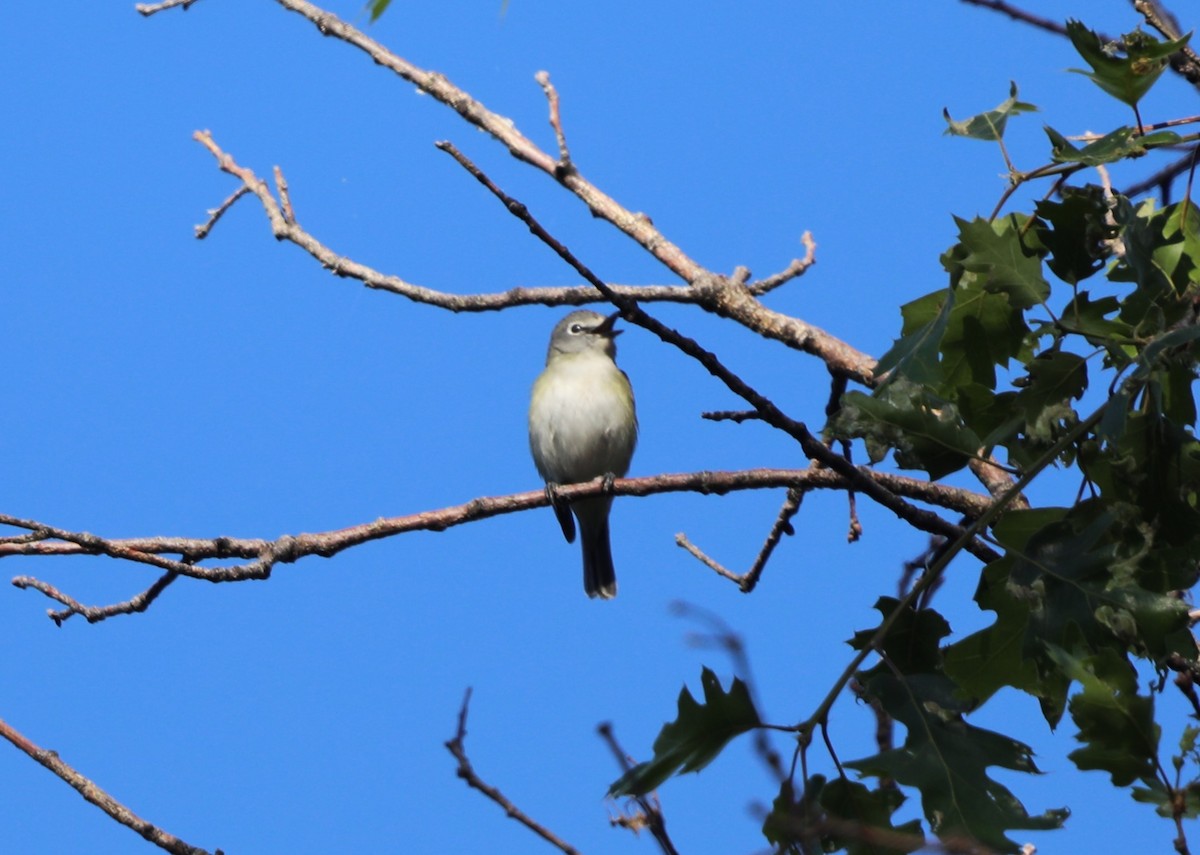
x,y
1018,14
98,797
456,746
503,130
714,285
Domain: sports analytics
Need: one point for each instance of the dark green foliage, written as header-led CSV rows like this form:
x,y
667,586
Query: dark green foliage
x,y
1065,337
840,815
1116,145
690,743
1075,233
943,757
1125,77
1115,723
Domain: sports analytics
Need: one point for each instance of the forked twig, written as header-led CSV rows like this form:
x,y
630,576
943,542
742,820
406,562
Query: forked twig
x,y
749,580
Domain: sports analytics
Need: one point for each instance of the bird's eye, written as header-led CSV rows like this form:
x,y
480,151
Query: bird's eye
x,y
576,329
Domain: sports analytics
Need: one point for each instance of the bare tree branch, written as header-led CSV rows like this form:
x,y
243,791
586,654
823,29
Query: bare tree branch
x,y
95,614
1184,62
564,154
286,228
1021,15
437,85
714,286
748,580
55,541
148,9
724,296
1163,178
262,555
216,213
467,772
92,793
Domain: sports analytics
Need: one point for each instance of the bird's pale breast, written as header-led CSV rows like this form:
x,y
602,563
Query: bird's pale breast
x,y
582,413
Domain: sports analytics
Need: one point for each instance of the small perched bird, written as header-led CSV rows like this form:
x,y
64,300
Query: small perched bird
x,y
582,425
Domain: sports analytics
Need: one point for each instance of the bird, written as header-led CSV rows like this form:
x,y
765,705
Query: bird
x,y
583,425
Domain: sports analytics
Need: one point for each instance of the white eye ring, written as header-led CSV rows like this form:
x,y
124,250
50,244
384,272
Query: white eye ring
x,y
576,329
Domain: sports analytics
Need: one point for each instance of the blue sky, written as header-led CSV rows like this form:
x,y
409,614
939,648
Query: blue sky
x,y
162,385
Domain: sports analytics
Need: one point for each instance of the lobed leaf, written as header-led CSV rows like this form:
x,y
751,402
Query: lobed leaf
x,y
695,738
1127,78
989,126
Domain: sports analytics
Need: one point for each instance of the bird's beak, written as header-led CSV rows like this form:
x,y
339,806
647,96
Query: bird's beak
x,y
606,326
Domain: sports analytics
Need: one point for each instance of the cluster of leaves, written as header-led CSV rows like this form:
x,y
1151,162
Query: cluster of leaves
x,y
1092,298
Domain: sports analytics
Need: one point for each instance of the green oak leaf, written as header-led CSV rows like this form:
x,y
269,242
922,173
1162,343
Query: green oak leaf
x,y
1041,411
1116,145
1115,723
946,760
989,126
923,430
1091,319
1162,258
943,757
911,644
832,816
915,353
1127,78
992,658
985,330
1075,231
1003,258
695,738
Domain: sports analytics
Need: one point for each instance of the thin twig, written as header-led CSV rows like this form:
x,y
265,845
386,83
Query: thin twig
x,y
681,540
92,793
735,416
148,9
651,808
95,614
749,580
1163,178
798,267
467,772
1021,15
285,200
564,154
439,87
339,265
216,213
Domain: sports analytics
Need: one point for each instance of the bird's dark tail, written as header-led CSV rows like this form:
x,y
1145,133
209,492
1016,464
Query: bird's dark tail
x,y
599,577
